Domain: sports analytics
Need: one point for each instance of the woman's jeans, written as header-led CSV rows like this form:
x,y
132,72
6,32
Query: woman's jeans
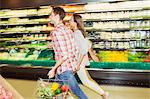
x,y
72,83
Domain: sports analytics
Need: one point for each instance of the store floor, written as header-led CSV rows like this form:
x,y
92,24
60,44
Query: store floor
x,y
27,88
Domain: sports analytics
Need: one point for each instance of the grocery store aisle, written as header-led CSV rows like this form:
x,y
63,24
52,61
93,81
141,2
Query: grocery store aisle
x,y
27,88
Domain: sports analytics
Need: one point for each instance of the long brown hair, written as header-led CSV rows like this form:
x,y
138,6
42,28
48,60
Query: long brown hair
x,y
80,24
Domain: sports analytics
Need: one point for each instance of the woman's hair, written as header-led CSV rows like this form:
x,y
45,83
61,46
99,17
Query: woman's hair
x,y
80,24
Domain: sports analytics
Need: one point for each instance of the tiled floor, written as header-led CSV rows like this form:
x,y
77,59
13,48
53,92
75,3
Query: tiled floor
x,y
27,88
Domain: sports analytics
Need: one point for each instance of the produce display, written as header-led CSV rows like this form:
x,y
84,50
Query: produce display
x,y
115,29
124,15
23,13
46,54
37,51
147,59
17,21
121,6
21,29
118,26
113,56
5,94
53,89
119,31
136,56
36,46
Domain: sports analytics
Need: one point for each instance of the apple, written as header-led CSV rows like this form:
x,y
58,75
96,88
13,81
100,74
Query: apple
x,y
147,60
4,94
64,88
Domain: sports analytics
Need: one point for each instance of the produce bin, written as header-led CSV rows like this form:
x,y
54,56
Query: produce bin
x,y
9,88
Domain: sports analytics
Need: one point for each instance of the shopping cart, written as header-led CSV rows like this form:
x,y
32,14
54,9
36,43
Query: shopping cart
x,y
53,89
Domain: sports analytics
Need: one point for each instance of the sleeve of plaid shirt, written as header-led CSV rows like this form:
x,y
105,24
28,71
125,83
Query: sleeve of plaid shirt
x,y
61,42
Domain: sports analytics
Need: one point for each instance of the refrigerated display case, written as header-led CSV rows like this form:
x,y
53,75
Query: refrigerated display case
x,y
120,32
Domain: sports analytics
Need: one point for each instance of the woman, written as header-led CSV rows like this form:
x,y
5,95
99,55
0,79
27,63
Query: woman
x,y
76,24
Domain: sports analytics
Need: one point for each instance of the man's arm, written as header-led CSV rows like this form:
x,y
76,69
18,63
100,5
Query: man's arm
x,y
52,72
62,44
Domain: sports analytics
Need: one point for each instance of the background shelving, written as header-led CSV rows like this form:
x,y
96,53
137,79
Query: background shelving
x,y
118,27
122,26
23,35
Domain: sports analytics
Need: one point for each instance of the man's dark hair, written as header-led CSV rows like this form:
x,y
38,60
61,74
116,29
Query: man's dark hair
x,y
60,11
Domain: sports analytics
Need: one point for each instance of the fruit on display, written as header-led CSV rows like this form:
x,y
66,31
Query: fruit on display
x,y
113,56
4,94
147,59
136,56
122,56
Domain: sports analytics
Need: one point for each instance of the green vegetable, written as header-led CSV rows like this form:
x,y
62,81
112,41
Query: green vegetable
x,y
58,91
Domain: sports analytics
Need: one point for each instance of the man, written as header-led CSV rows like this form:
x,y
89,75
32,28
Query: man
x,y
66,53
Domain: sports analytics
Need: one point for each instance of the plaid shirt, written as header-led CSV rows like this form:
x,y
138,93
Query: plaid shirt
x,y
65,48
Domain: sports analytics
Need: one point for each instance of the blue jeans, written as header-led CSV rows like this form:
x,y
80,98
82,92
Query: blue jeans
x,y
72,83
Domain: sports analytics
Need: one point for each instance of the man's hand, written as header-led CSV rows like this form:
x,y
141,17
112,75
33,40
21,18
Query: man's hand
x,y
51,73
77,68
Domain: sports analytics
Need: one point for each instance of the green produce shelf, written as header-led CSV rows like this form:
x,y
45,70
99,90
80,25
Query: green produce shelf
x,y
99,65
121,65
47,63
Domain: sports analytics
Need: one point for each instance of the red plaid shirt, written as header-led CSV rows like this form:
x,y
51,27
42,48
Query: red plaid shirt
x,y
64,47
